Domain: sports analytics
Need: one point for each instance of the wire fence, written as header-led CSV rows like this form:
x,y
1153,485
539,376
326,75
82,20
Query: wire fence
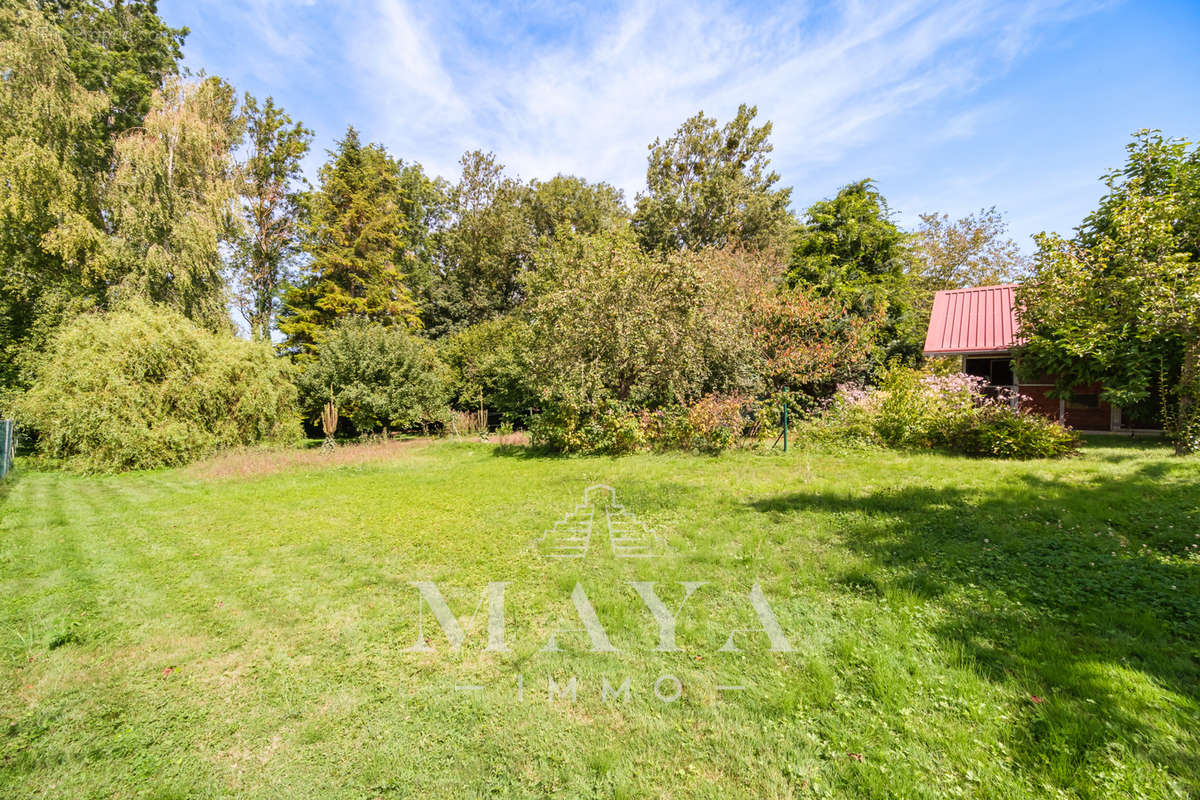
x,y
8,444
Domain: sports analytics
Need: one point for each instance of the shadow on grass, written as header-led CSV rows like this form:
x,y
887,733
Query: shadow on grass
x,y
526,451
1054,588
1118,448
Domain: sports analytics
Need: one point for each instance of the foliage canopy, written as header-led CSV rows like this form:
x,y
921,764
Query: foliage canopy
x,y
144,387
712,186
1120,303
380,377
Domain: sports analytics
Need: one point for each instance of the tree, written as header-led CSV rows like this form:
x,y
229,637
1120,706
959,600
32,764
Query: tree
x,y
613,322
51,249
490,364
484,247
849,244
122,49
849,249
355,237
270,210
1120,303
1155,167
170,201
424,205
567,204
77,75
972,251
712,186
380,377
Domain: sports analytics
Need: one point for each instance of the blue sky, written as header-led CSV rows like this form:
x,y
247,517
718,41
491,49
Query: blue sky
x,y
948,106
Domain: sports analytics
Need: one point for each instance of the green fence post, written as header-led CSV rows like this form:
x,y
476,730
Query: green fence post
x,y
785,425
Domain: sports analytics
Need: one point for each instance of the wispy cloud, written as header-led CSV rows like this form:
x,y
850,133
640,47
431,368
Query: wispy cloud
x,y
590,96
950,104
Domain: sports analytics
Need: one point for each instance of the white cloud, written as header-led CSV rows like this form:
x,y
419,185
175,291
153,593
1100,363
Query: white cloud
x,y
589,99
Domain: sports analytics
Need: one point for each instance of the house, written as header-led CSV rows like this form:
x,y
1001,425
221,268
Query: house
x,y
979,326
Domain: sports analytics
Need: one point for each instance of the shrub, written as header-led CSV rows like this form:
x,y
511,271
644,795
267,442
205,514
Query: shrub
x,y
611,321
710,425
608,428
809,343
381,377
957,412
921,410
489,366
1001,433
144,387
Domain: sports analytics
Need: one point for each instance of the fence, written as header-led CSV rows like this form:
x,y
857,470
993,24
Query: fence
x,y
8,444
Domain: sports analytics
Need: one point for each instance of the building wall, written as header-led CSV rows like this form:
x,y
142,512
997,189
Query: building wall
x,y
1094,415
1035,399
1085,411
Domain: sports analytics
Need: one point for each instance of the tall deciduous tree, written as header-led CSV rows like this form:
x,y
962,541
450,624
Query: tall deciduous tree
x,y
972,251
848,248
711,185
567,204
51,250
355,235
1120,303
171,200
124,51
270,209
119,47
485,246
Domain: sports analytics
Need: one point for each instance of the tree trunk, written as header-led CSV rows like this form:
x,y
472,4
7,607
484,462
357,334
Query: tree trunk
x,y
1188,422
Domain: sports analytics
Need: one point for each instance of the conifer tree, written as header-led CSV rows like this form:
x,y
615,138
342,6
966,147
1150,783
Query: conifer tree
x,y
355,234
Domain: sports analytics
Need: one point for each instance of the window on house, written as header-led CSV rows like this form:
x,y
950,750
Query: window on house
x,y
1080,402
997,370
1001,372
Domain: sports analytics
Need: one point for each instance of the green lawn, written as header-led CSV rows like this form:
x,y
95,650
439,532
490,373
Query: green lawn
x,y
960,628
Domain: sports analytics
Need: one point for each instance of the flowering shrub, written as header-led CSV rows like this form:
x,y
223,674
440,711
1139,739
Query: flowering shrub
x,y
958,412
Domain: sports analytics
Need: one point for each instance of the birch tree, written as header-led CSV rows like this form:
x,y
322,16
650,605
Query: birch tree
x,y
269,184
171,200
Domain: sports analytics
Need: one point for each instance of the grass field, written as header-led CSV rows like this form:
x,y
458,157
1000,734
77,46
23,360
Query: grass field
x,y
960,628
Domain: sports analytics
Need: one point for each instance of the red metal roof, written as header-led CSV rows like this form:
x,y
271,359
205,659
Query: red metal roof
x,y
978,320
